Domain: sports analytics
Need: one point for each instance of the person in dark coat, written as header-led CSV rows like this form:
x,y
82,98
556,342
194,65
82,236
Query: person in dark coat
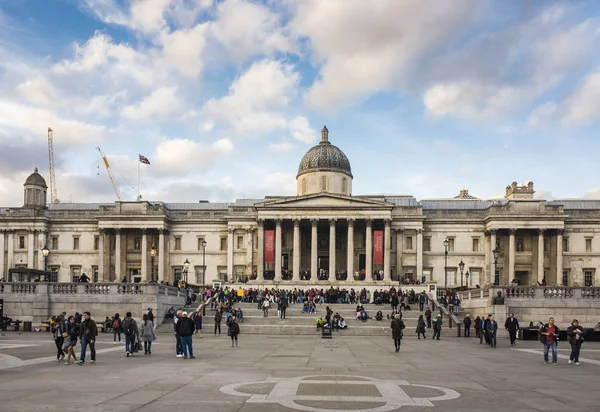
x,y
428,317
467,323
185,330
492,329
575,335
395,302
421,327
397,326
477,327
437,327
233,330
512,326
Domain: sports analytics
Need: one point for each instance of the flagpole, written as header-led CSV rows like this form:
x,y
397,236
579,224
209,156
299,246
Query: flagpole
x,y
138,196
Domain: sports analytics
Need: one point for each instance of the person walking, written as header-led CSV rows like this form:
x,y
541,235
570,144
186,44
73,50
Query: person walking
x,y
428,317
467,323
477,327
185,330
218,320
233,330
130,329
395,302
147,334
178,348
150,316
549,337
437,327
265,307
421,327
492,329
484,327
284,305
198,323
422,301
57,330
512,326
575,335
397,326
71,342
116,325
87,334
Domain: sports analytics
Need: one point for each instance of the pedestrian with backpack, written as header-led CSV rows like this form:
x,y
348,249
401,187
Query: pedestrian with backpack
x,y
549,337
130,329
397,327
116,325
185,330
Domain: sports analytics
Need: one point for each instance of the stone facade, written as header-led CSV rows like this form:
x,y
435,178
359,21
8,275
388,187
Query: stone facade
x,y
324,231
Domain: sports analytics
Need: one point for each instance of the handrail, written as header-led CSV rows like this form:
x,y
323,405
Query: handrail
x,y
443,310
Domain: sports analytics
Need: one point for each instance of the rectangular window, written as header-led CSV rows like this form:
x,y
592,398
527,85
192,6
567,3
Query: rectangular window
x,y
408,243
476,245
200,275
54,243
474,275
427,244
450,244
177,245
565,278
95,274
565,244
75,243
200,240
137,243
21,242
426,276
588,277
176,274
96,243
75,273
54,274
451,277
588,245
223,246
240,242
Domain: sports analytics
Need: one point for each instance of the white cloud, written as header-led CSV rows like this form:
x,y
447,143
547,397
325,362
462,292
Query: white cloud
x,y
256,98
300,130
148,15
37,90
542,115
380,40
207,126
101,106
108,11
182,49
282,147
583,105
184,155
159,103
246,29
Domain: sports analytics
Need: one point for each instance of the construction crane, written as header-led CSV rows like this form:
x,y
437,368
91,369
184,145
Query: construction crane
x,y
108,169
53,191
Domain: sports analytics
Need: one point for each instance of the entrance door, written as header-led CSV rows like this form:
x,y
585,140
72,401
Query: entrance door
x,y
362,261
522,277
135,276
324,263
285,261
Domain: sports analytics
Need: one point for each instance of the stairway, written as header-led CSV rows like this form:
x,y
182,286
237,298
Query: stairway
x,y
297,323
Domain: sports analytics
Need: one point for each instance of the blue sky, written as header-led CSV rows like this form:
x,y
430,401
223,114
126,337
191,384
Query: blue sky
x,y
225,97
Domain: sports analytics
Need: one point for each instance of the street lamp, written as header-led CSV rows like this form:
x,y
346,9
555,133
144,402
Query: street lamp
x,y
204,275
446,243
461,265
186,268
152,256
46,252
496,252
467,276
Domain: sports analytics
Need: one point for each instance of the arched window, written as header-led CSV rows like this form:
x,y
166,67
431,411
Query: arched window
x,y
304,186
344,186
323,183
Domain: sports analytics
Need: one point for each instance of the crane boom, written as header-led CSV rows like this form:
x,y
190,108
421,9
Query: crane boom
x,y
109,171
53,191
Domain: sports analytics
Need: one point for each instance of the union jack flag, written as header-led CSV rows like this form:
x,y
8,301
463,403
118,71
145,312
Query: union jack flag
x,y
144,160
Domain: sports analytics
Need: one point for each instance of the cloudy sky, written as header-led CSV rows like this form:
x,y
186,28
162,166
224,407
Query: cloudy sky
x,y
225,97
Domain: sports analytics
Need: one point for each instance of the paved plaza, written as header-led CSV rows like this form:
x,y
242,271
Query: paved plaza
x,y
305,373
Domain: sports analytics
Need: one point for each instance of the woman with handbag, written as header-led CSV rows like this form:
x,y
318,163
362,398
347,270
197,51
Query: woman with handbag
x,y
575,335
147,334
397,326
73,332
233,330
59,339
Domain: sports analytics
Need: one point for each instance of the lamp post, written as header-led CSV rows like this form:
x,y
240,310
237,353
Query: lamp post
x,y
446,243
496,252
152,256
204,275
467,277
461,265
45,253
186,268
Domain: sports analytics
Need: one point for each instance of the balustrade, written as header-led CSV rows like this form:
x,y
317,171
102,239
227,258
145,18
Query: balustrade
x,y
590,293
562,293
23,288
64,288
520,292
97,289
127,289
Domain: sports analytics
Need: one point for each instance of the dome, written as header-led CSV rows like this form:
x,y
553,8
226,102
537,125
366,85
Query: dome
x,y
324,157
35,179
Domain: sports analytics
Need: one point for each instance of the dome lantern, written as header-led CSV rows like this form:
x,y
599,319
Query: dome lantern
x,y
35,189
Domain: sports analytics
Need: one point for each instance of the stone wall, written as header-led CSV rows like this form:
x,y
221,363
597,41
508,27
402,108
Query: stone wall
x,y
36,302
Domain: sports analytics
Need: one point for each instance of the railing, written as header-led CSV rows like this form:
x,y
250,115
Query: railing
x,y
87,288
590,293
95,288
23,288
520,292
558,293
127,289
532,292
64,288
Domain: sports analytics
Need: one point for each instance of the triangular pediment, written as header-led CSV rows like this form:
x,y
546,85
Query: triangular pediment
x,y
323,201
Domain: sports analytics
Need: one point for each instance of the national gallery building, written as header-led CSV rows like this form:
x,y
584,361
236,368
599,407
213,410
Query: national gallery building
x,y
325,235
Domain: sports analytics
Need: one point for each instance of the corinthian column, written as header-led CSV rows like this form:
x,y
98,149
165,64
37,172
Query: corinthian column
x,y
386,249
118,255
540,274
559,256
332,256
278,249
369,251
30,249
260,264
296,251
144,256
350,257
511,255
314,254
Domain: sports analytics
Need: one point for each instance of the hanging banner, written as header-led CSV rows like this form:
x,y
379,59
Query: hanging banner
x,y
378,247
269,246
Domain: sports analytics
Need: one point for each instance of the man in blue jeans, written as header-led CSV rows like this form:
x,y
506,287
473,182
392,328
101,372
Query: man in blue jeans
x,y
185,330
87,334
130,329
549,337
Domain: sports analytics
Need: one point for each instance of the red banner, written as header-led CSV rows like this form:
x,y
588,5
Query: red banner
x,y
378,247
269,246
